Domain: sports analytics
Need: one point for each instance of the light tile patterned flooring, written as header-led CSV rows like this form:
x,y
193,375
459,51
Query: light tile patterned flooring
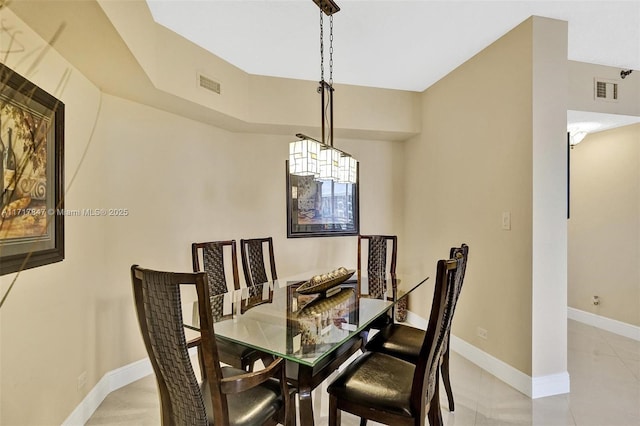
x,y
605,391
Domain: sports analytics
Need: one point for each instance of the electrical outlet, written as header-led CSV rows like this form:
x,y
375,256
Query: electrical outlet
x,y
82,380
482,333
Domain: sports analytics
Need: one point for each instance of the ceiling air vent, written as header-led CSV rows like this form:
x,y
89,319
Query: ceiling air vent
x,y
605,90
209,84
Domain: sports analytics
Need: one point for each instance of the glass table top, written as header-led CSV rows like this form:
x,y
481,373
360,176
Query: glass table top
x,y
274,318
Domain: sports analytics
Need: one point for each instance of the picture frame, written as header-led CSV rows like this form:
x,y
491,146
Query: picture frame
x,y
31,175
321,208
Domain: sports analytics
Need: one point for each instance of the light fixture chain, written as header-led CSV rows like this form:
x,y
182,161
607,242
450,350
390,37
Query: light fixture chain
x,y
319,158
321,47
331,50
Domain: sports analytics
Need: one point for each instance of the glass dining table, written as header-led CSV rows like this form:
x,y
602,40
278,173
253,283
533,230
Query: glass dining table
x,y
314,332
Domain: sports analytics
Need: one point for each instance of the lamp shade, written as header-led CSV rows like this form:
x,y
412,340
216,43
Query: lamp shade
x,y
304,158
329,164
348,169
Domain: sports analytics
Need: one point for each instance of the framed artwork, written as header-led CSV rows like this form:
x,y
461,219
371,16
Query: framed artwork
x,y
31,174
321,208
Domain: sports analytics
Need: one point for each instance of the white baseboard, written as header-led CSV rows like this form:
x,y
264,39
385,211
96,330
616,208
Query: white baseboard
x,y
608,324
111,381
533,387
503,371
553,384
416,320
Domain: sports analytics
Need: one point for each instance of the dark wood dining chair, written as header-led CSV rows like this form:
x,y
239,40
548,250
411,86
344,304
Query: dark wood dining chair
x,y
253,260
404,341
227,395
390,390
381,253
209,257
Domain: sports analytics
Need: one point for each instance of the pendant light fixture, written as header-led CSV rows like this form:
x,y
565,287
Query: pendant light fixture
x,y
308,156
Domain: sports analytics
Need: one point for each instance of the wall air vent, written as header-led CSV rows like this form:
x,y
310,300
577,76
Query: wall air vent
x,y
605,90
208,83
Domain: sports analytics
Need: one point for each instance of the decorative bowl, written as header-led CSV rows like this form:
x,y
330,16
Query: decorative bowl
x,y
322,283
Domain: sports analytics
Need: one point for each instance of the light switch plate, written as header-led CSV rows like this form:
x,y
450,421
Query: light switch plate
x,y
506,221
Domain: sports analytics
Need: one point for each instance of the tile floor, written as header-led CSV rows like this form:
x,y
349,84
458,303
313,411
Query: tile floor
x,y
605,391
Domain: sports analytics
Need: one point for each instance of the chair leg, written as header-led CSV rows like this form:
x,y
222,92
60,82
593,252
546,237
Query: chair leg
x,y
364,335
334,413
434,415
290,415
363,421
444,368
435,419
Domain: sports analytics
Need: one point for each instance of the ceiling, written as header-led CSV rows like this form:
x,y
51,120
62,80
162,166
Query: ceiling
x,y
406,45
373,48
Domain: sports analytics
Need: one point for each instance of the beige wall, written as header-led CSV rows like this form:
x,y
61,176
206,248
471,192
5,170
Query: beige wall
x,y
47,329
184,181
471,163
481,153
604,229
181,180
